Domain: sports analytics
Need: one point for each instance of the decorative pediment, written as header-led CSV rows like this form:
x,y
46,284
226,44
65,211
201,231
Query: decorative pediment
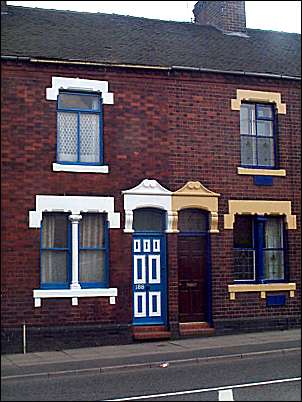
x,y
148,187
194,195
195,188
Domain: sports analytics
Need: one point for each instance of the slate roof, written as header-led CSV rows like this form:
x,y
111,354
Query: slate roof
x,y
117,39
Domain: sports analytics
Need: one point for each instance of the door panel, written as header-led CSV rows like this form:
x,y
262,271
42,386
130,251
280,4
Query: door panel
x,y
192,260
149,279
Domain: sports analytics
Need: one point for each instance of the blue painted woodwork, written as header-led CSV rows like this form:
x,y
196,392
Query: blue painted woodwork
x,y
263,180
145,287
98,111
258,246
66,284
276,300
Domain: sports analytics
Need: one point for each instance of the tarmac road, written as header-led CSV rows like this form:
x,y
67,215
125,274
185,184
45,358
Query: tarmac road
x,y
142,369
260,377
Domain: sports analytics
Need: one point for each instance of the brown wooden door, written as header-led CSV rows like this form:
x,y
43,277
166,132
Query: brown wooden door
x,y
192,268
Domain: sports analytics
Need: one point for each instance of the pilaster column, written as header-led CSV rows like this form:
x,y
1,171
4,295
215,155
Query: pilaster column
x,y
75,220
128,221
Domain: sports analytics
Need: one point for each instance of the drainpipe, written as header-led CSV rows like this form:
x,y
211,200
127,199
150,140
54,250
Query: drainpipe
x,y
24,337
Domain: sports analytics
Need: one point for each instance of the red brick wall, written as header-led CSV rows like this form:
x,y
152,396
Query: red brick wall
x,y
228,16
170,127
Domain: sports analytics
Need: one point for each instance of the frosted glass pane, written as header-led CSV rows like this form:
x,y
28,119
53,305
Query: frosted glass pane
x,y
54,266
265,128
248,151
92,266
67,136
89,138
264,111
265,148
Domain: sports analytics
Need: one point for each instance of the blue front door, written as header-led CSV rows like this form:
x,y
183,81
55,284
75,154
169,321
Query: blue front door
x,y
149,278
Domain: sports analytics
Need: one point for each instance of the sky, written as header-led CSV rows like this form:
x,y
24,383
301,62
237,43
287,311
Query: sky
x,y
269,15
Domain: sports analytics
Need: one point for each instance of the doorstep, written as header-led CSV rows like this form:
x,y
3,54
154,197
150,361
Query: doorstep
x,y
195,329
150,332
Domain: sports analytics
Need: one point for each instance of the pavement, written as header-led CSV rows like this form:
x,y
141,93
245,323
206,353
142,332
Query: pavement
x,y
149,354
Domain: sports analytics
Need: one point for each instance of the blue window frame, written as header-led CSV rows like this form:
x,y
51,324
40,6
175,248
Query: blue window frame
x,y
258,133
259,249
79,128
56,251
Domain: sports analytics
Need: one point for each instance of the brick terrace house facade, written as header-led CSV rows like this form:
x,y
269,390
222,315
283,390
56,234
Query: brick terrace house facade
x,y
150,177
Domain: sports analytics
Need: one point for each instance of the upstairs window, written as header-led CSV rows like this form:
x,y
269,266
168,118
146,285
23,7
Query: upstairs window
x,y
258,135
79,128
259,249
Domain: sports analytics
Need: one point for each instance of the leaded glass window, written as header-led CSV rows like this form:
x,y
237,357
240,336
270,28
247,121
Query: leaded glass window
x,y
258,135
259,251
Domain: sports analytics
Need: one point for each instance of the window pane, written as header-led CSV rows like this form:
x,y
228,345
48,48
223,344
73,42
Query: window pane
x,y
244,264
265,147
92,266
92,230
89,138
248,151
273,264
54,230
273,233
243,231
247,119
192,220
54,266
265,111
265,128
148,220
81,102
67,137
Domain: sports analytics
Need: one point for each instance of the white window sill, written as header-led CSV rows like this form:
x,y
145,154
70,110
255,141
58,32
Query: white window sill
x,y
39,294
58,167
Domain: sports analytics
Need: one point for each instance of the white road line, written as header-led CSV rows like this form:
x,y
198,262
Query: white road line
x,y
225,395
196,391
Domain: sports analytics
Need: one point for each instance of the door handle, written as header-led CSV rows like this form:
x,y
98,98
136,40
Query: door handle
x,y
191,284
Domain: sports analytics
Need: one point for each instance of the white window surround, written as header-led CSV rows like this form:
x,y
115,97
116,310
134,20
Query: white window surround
x,y
148,194
75,205
58,167
74,84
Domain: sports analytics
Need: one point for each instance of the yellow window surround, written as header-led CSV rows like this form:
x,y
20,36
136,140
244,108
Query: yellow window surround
x,y
261,172
259,207
262,289
258,96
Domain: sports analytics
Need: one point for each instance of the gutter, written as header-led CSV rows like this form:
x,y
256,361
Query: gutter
x,y
172,68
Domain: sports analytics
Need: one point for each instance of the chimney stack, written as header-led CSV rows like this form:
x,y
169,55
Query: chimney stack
x,y
3,7
228,16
